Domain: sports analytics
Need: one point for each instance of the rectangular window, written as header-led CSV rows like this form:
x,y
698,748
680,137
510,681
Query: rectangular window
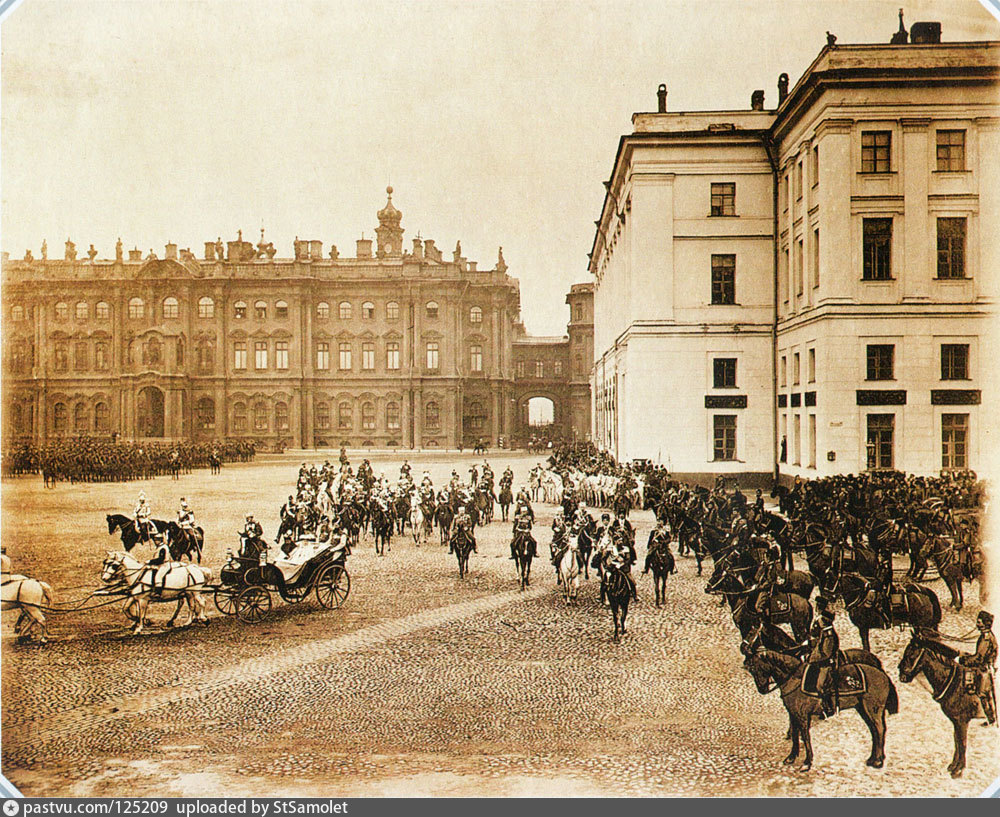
x,y
796,369
368,356
812,441
811,363
784,371
724,436
814,169
432,355
240,354
206,308
476,358
788,190
877,249
345,415
799,271
281,310
281,354
80,356
557,368
723,199
392,416
951,247
784,272
323,356
345,356
954,361
815,259
539,368
880,433
392,356
954,440
520,368
368,416
723,279
783,449
798,181
876,149
260,354
239,310
951,150
724,373
797,439
322,416
880,361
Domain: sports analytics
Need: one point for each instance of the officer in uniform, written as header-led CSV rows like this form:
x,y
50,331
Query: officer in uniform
x,y
462,524
983,662
252,534
659,538
522,527
824,656
142,516
160,557
559,534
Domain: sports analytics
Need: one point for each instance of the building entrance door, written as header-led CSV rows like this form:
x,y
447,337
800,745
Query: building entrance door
x,y
149,417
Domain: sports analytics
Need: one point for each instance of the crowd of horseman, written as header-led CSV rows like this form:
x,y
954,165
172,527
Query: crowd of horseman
x,y
100,459
847,528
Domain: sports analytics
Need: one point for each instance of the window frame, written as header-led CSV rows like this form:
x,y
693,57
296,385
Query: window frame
x,y
206,307
281,310
345,311
392,356
136,308
722,199
368,356
281,355
724,437
240,310
322,311
875,362
724,372
367,311
260,310
876,248
432,310
260,355
949,363
240,355
954,425
723,279
953,254
323,356
876,158
475,314
432,356
392,311
86,311
945,151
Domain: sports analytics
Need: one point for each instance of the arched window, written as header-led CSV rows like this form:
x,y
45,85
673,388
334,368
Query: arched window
x,y
281,309
345,310
323,416
136,308
260,310
102,417
345,416
368,416
180,351
240,417
61,356
476,357
260,416
240,310
392,311
368,310
81,419
102,311
205,412
206,307
17,313
322,310
171,309
432,309
392,416
82,310
475,315
432,415
62,311
281,416
59,418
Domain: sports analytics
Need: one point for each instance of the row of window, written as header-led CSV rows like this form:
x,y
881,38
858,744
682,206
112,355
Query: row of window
x,y
538,368
879,363
877,248
84,419
345,355
876,151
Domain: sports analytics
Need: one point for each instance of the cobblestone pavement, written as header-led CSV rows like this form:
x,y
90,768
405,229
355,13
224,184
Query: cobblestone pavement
x,y
421,683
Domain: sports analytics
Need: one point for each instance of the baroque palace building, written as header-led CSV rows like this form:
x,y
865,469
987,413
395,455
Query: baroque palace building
x,y
806,290
390,348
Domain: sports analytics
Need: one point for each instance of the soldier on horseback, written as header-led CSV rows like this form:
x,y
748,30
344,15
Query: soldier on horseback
x,y
559,537
143,525
620,555
981,665
659,538
160,557
824,655
522,527
462,525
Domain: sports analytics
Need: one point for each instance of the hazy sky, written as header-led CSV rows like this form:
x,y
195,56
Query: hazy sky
x,y
496,122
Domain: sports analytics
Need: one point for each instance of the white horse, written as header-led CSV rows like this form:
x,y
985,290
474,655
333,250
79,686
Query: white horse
x,y
416,519
569,571
26,595
179,581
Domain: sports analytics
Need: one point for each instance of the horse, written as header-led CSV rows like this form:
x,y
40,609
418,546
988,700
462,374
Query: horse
x,y
184,583
461,542
126,527
661,561
584,547
569,570
783,608
416,522
877,697
185,542
506,499
444,516
381,528
798,582
918,607
27,596
937,663
619,593
945,557
780,530
402,504
522,558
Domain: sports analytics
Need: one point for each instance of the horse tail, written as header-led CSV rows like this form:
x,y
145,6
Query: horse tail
x,y
891,702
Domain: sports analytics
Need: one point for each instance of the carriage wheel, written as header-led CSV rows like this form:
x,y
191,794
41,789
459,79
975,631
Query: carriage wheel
x,y
333,586
253,604
225,601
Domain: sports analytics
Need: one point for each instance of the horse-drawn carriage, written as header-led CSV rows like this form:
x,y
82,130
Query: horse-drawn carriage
x,y
249,578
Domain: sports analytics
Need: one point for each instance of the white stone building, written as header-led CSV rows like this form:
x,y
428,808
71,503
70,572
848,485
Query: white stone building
x,y
806,289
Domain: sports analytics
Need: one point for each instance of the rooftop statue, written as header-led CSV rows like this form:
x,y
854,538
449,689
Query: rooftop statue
x,y
70,250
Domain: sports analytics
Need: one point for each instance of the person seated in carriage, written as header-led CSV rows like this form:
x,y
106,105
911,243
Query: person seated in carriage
x,y
462,525
560,537
158,577
981,667
522,527
659,539
253,539
143,526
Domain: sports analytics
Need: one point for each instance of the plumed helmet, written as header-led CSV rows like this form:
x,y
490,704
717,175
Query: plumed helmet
x,y
142,495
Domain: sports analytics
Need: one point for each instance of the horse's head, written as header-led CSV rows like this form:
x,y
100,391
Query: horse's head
x,y
112,569
112,523
758,667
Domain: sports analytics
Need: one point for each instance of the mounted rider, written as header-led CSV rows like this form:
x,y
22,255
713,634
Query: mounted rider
x,y
560,537
462,524
582,520
622,528
143,522
619,554
659,539
253,541
824,657
524,501
474,475
522,527
980,666
158,573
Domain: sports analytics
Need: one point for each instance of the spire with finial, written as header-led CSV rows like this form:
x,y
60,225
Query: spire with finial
x,y
900,37
388,232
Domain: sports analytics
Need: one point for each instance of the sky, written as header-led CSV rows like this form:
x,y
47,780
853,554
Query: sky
x,y
495,122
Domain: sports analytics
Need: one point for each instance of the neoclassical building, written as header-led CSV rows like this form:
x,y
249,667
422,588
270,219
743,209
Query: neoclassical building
x,y
807,289
393,347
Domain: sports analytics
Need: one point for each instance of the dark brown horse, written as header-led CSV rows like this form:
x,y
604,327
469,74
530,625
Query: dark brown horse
x,y
616,588
918,606
785,673
946,559
661,562
523,554
461,542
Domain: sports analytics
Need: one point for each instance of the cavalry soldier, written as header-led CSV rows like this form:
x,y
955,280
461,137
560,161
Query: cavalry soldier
x,y
143,525
758,504
659,539
980,680
824,655
604,526
474,475
622,528
522,527
620,555
487,472
160,557
559,537
462,524
253,534
524,498
185,517
582,518
343,457
404,470
507,478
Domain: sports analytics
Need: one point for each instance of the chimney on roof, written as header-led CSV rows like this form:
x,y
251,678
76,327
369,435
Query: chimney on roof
x,y
899,38
170,251
782,88
364,248
925,33
757,100
661,99
418,248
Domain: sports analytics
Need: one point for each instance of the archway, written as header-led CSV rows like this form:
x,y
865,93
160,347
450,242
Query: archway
x,y
541,412
149,414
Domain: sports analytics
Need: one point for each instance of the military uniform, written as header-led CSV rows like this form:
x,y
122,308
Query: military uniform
x,y
659,537
522,527
824,657
982,663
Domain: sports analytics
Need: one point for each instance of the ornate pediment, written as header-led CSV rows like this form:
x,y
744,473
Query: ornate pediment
x,y
345,335
158,268
392,334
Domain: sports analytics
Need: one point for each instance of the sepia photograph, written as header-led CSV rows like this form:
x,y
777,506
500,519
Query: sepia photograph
x,y
490,399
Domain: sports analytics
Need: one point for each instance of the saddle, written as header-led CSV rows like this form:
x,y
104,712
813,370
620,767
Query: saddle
x,y
850,680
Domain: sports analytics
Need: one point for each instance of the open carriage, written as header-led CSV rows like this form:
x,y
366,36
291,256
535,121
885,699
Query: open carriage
x,y
249,578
